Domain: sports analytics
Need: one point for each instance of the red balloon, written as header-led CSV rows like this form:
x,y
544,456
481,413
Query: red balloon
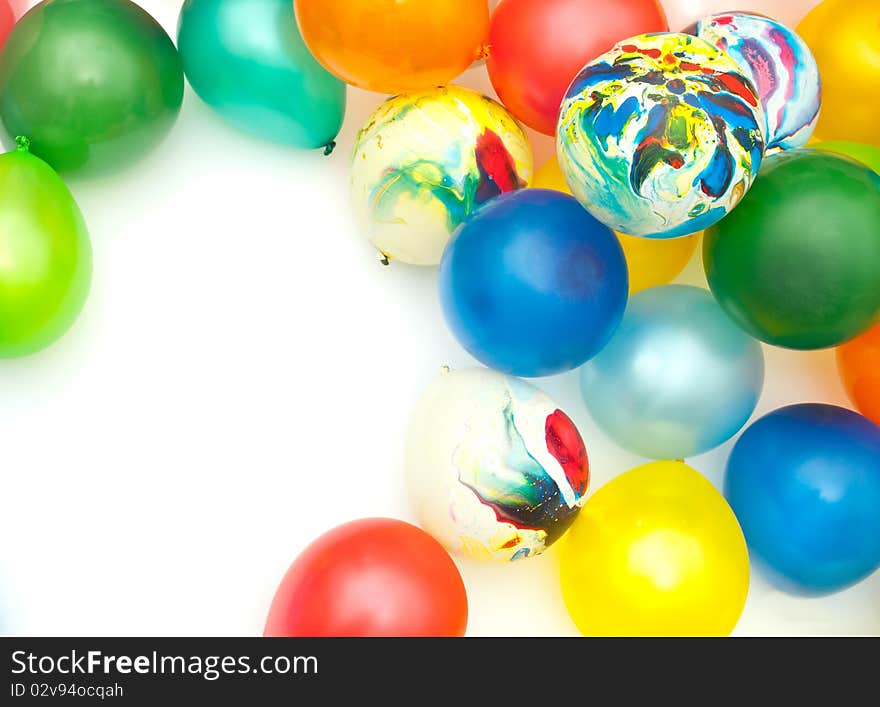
x,y
372,577
536,47
7,20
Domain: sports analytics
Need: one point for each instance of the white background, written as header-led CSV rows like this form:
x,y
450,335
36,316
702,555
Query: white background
x,y
240,382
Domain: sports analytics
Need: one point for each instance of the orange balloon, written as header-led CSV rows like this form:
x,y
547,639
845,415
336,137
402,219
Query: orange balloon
x,y
859,364
394,46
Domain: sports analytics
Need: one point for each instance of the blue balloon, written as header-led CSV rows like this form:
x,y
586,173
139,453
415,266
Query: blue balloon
x,y
804,482
532,284
677,379
246,59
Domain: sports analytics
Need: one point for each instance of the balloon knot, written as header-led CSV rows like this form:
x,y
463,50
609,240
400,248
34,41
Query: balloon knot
x,y
23,143
328,148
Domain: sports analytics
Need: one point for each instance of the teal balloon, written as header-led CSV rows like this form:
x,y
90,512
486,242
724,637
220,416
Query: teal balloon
x,y
246,59
45,255
93,84
677,378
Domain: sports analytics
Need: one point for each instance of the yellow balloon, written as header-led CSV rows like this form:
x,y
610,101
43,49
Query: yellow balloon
x,y
844,36
651,261
655,552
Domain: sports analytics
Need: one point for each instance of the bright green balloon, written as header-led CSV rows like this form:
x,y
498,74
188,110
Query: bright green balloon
x,y
45,255
797,263
246,59
94,84
866,154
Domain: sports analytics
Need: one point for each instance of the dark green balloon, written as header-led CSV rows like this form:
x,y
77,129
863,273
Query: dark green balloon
x,y
797,263
94,84
45,255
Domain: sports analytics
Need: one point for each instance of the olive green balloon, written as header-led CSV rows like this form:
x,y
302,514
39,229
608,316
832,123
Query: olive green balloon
x,y
797,263
45,255
94,84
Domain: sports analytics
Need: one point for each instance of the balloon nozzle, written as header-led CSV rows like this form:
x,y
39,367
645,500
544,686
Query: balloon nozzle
x,y
23,143
329,147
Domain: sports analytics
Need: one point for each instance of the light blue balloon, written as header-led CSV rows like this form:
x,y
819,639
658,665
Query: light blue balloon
x,y
677,378
246,59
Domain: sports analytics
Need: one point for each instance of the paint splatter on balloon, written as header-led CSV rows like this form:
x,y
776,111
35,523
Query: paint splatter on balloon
x,y
661,136
781,67
425,161
495,469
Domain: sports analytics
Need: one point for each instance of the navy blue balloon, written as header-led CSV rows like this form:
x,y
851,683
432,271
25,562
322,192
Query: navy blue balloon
x,y
532,284
804,482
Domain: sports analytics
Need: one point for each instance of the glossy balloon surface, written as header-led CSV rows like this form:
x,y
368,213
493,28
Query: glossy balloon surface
x,y
868,155
279,91
394,46
804,482
796,264
425,161
781,68
537,47
859,364
649,261
533,285
7,20
94,84
682,13
672,123
495,470
371,577
678,377
45,255
844,36
655,552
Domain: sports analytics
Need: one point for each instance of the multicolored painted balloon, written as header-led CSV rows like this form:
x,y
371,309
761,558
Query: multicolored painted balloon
x,y
495,469
781,67
425,160
672,123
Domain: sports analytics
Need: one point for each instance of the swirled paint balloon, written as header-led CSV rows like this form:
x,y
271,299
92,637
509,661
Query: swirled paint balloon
x,y
661,136
495,469
781,67
426,160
